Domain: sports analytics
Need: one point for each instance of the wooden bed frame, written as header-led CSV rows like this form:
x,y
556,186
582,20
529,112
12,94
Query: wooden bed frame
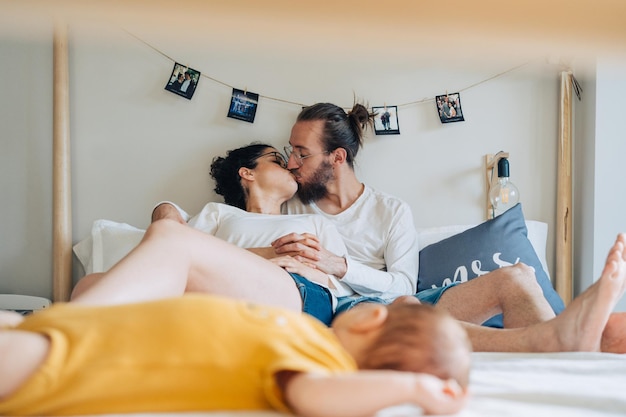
x,y
62,210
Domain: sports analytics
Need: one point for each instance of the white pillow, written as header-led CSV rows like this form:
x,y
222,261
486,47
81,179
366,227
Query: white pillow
x,y
537,234
108,243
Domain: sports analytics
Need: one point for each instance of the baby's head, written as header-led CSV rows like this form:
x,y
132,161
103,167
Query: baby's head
x,y
421,338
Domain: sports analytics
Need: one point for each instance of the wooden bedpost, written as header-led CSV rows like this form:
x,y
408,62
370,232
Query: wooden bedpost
x,y
61,170
564,277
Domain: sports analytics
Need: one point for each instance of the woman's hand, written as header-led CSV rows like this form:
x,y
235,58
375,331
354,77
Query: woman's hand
x,y
290,264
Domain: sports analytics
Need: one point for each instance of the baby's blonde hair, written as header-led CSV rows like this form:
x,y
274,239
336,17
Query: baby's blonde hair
x,y
421,338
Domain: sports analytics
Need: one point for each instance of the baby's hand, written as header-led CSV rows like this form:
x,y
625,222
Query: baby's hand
x,y
10,319
436,396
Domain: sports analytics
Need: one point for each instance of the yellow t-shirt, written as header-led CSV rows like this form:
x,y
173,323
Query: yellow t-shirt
x,y
191,353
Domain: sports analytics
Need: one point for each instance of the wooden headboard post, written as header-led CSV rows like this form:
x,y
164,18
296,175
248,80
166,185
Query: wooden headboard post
x,y
564,268
61,170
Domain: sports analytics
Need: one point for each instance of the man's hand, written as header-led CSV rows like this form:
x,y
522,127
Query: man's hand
x,y
167,211
306,248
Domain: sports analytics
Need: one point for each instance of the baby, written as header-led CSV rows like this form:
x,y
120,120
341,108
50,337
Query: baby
x,y
157,356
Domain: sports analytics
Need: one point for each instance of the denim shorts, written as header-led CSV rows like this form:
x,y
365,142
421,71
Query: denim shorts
x,y
432,295
346,303
317,301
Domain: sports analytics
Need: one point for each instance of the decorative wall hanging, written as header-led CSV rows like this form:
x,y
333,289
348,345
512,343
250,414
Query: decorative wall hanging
x,y
183,81
449,108
243,105
386,120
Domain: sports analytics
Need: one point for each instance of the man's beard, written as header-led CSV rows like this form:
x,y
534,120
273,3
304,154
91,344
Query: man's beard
x,y
315,188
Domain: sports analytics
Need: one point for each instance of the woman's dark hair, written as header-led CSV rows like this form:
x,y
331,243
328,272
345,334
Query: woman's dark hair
x,y
225,172
341,129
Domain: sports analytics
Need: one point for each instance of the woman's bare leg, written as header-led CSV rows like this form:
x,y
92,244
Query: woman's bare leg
x,y
85,283
579,327
173,259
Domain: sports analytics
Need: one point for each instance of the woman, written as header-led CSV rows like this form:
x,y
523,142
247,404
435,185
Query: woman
x,y
255,183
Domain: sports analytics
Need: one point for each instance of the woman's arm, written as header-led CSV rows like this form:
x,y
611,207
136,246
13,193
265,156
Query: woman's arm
x,y
269,252
363,393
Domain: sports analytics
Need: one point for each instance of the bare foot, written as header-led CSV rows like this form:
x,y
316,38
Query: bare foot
x,y
580,326
614,335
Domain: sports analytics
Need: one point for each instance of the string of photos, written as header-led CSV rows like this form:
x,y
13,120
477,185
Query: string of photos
x,y
183,81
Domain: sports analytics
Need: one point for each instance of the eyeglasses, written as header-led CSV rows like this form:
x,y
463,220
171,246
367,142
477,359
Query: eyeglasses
x,y
279,158
289,151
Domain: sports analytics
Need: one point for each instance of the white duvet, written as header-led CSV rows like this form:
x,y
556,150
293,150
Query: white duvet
x,y
525,384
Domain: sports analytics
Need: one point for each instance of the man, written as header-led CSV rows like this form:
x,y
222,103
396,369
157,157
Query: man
x,y
379,233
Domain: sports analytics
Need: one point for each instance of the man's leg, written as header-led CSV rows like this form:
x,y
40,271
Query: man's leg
x,y
512,291
579,327
173,259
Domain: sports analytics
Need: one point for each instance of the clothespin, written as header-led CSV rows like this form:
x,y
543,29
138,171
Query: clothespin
x,y
577,88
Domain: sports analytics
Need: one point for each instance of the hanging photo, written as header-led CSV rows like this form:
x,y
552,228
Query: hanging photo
x,y
183,81
243,105
386,120
449,108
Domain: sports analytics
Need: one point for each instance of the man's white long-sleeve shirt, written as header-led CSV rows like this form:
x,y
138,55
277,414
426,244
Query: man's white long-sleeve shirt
x,y
379,233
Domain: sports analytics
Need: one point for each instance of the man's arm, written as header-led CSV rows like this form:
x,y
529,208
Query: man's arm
x,y
365,392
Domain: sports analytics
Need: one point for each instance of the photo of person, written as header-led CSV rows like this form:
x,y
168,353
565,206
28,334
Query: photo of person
x,y
449,108
386,120
183,81
243,105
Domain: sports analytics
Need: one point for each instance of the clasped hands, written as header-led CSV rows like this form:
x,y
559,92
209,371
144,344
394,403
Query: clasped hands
x,y
306,248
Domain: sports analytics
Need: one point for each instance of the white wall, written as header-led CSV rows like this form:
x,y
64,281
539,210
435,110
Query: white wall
x,y
600,146
26,166
134,144
610,150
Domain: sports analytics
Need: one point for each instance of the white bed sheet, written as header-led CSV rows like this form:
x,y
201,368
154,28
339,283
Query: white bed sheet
x,y
523,384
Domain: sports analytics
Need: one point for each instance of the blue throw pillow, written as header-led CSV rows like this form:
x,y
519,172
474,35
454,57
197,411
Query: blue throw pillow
x,y
491,245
